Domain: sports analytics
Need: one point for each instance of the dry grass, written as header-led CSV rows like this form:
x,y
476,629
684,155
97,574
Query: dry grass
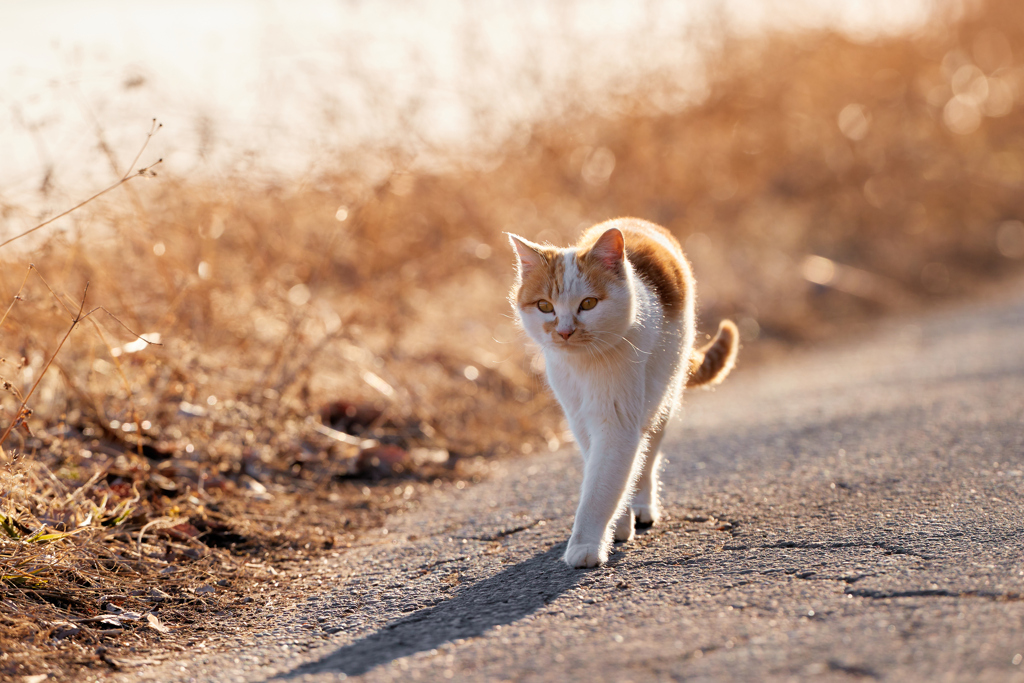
x,y
345,343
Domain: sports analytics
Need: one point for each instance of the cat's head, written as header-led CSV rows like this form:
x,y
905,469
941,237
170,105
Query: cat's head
x,y
574,299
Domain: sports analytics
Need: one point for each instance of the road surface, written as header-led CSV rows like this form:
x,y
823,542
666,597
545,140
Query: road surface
x,y
851,513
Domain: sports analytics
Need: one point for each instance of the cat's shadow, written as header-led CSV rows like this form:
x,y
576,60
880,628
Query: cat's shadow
x,y
502,599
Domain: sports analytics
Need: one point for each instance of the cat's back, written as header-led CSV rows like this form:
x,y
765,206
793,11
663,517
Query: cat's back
x,y
656,258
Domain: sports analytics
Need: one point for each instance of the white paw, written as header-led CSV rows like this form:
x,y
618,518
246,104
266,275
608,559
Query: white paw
x,y
647,515
580,555
624,526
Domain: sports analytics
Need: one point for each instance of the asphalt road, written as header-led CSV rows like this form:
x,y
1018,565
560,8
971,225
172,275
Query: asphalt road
x,y
855,512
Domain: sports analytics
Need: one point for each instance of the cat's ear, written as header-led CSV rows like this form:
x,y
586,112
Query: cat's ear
x,y
530,254
609,250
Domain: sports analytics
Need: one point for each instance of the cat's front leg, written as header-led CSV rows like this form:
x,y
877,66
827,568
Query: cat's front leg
x,y
645,504
606,479
625,525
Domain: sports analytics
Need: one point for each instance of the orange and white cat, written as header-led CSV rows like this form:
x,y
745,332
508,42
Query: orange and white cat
x,y
614,317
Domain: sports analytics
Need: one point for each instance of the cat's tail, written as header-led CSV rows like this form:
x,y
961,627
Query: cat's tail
x,y
711,364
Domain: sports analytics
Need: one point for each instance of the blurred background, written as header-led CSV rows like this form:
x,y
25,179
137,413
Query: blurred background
x,y
282,89
321,254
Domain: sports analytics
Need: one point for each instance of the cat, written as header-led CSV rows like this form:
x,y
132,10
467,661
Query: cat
x,y
614,318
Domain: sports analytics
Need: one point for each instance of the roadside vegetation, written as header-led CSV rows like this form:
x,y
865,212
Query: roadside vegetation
x,y
274,369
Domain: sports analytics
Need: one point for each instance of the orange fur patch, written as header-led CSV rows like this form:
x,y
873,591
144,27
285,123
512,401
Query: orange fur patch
x,y
655,255
542,282
711,364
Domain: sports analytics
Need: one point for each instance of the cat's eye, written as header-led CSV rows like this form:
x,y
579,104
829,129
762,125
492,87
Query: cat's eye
x,y
588,303
545,306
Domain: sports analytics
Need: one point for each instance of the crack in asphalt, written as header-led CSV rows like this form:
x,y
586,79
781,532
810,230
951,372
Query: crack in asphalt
x,y
835,545
498,535
935,593
852,669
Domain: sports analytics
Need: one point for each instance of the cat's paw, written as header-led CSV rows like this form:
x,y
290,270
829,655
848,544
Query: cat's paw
x,y
624,527
579,555
646,515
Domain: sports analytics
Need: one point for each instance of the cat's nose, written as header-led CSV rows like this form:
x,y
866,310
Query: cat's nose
x,y
566,335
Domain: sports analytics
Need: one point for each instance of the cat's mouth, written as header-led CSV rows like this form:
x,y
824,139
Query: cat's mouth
x,y
573,343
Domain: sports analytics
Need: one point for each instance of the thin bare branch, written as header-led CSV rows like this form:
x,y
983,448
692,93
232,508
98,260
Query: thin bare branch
x,y
17,297
148,170
20,414
79,316
118,321
46,284
149,136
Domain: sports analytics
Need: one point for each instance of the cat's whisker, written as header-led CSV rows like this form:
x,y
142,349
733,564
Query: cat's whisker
x,y
608,349
635,348
596,352
607,344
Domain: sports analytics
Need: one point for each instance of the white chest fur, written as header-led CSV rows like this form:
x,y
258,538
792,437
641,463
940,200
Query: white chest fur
x,y
617,404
